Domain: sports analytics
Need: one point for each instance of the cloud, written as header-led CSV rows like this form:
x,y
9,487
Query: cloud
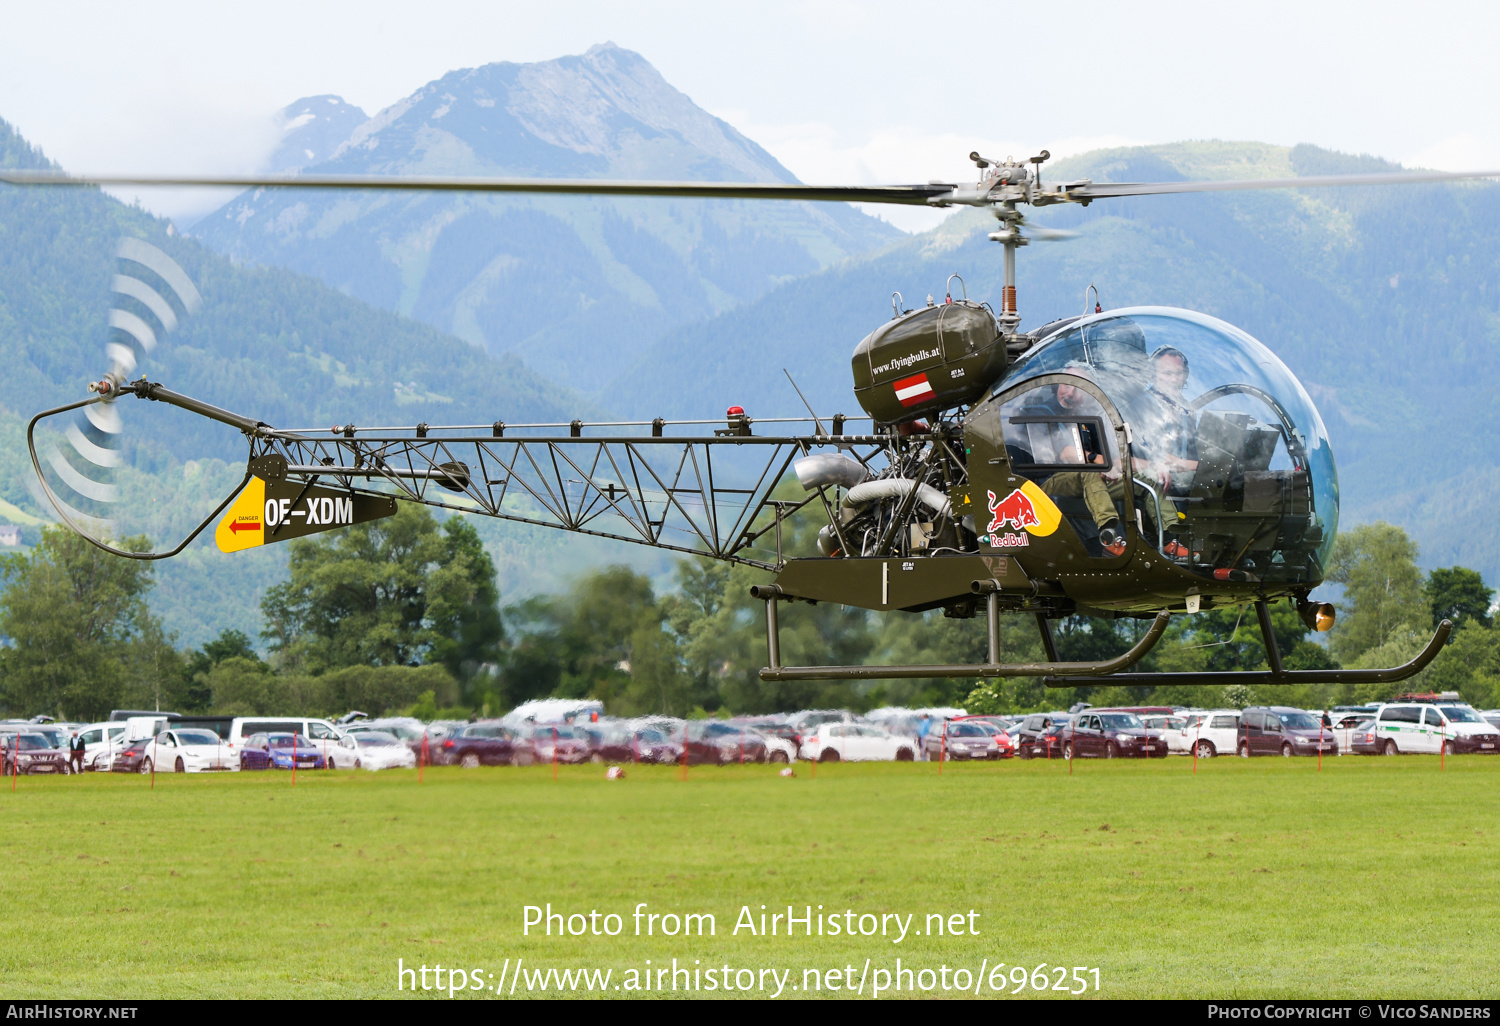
x,y
1463,152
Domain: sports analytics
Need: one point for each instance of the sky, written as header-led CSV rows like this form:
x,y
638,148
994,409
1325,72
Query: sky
x,y
839,91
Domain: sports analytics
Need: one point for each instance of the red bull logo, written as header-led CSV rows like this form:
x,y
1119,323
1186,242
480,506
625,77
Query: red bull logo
x,y
1015,511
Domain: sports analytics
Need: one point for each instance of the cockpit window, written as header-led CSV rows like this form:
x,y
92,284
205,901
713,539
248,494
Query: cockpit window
x,y
1229,460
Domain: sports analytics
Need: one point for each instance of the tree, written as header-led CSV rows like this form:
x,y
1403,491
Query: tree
x,y
74,615
1459,594
392,592
196,694
470,636
606,639
1377,565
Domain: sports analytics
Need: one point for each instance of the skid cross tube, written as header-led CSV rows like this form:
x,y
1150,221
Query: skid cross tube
x,y
993,668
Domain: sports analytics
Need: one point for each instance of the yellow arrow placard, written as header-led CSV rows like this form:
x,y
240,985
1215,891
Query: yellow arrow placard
x,y
243,527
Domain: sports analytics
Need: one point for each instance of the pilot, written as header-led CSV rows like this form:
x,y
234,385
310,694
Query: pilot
x,y
1093,488
1101,491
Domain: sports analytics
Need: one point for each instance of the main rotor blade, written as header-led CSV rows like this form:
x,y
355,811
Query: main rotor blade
x,y
1102,190
915,195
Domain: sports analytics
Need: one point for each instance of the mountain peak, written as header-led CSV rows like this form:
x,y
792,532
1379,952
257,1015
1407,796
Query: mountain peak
x,y
312,130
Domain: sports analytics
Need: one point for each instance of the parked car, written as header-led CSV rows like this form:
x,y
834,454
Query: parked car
x,y
1269,730
100,742
379,750
30,752
855,742
1029,737
1413,727
189,750
1050,742
649,743
960,740
1168,726
808,720
131,758
1342,722
1214,732
479,744
546,742
1111,734
280,751
337,748
1363,739
1003,743
713,741
409,731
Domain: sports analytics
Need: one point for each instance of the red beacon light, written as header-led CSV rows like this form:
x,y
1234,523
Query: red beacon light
x,y
735,411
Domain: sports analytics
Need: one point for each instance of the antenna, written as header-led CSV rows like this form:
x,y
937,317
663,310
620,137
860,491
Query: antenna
x,y
816,421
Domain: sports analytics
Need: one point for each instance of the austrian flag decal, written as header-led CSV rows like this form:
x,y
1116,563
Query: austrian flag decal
x,y
914,390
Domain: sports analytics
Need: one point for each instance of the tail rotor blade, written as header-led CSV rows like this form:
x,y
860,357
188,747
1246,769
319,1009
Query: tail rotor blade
x,y
98,455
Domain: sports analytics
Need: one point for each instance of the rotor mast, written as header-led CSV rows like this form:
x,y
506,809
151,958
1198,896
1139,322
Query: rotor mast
x,y
1003,185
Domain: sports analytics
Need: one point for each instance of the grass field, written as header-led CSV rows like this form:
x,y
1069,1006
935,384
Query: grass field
x,y
1262,878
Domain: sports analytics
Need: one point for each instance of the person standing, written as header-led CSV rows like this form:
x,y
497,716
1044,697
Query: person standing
x,y
76,750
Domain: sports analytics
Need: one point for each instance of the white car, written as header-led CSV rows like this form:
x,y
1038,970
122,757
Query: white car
x,y
1403,728
1170,727
853,742
189,750
779,749
100,743
1215,732
379,750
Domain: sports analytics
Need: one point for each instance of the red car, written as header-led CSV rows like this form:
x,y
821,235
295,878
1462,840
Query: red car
x,y
1111,734
131,758
712,741
480,744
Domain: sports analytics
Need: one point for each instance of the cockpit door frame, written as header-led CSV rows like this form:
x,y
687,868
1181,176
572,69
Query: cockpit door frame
x,y
1122,442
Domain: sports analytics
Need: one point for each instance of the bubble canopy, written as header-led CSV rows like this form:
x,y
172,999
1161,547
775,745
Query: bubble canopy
x,y
1227,451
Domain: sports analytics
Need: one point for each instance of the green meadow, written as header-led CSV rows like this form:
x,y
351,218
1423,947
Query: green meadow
x,y
1260,878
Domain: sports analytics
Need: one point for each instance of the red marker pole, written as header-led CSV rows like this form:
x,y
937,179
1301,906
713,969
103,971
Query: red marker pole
x,y
422,757
1443,748
15,757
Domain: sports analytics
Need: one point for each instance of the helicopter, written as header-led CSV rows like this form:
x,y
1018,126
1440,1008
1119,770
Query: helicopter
x,y
1140,462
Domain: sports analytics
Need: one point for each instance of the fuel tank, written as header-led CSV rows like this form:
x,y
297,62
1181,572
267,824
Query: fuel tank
x,y
928,360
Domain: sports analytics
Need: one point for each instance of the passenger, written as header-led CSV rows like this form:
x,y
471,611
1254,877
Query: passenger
x,y
1166,431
